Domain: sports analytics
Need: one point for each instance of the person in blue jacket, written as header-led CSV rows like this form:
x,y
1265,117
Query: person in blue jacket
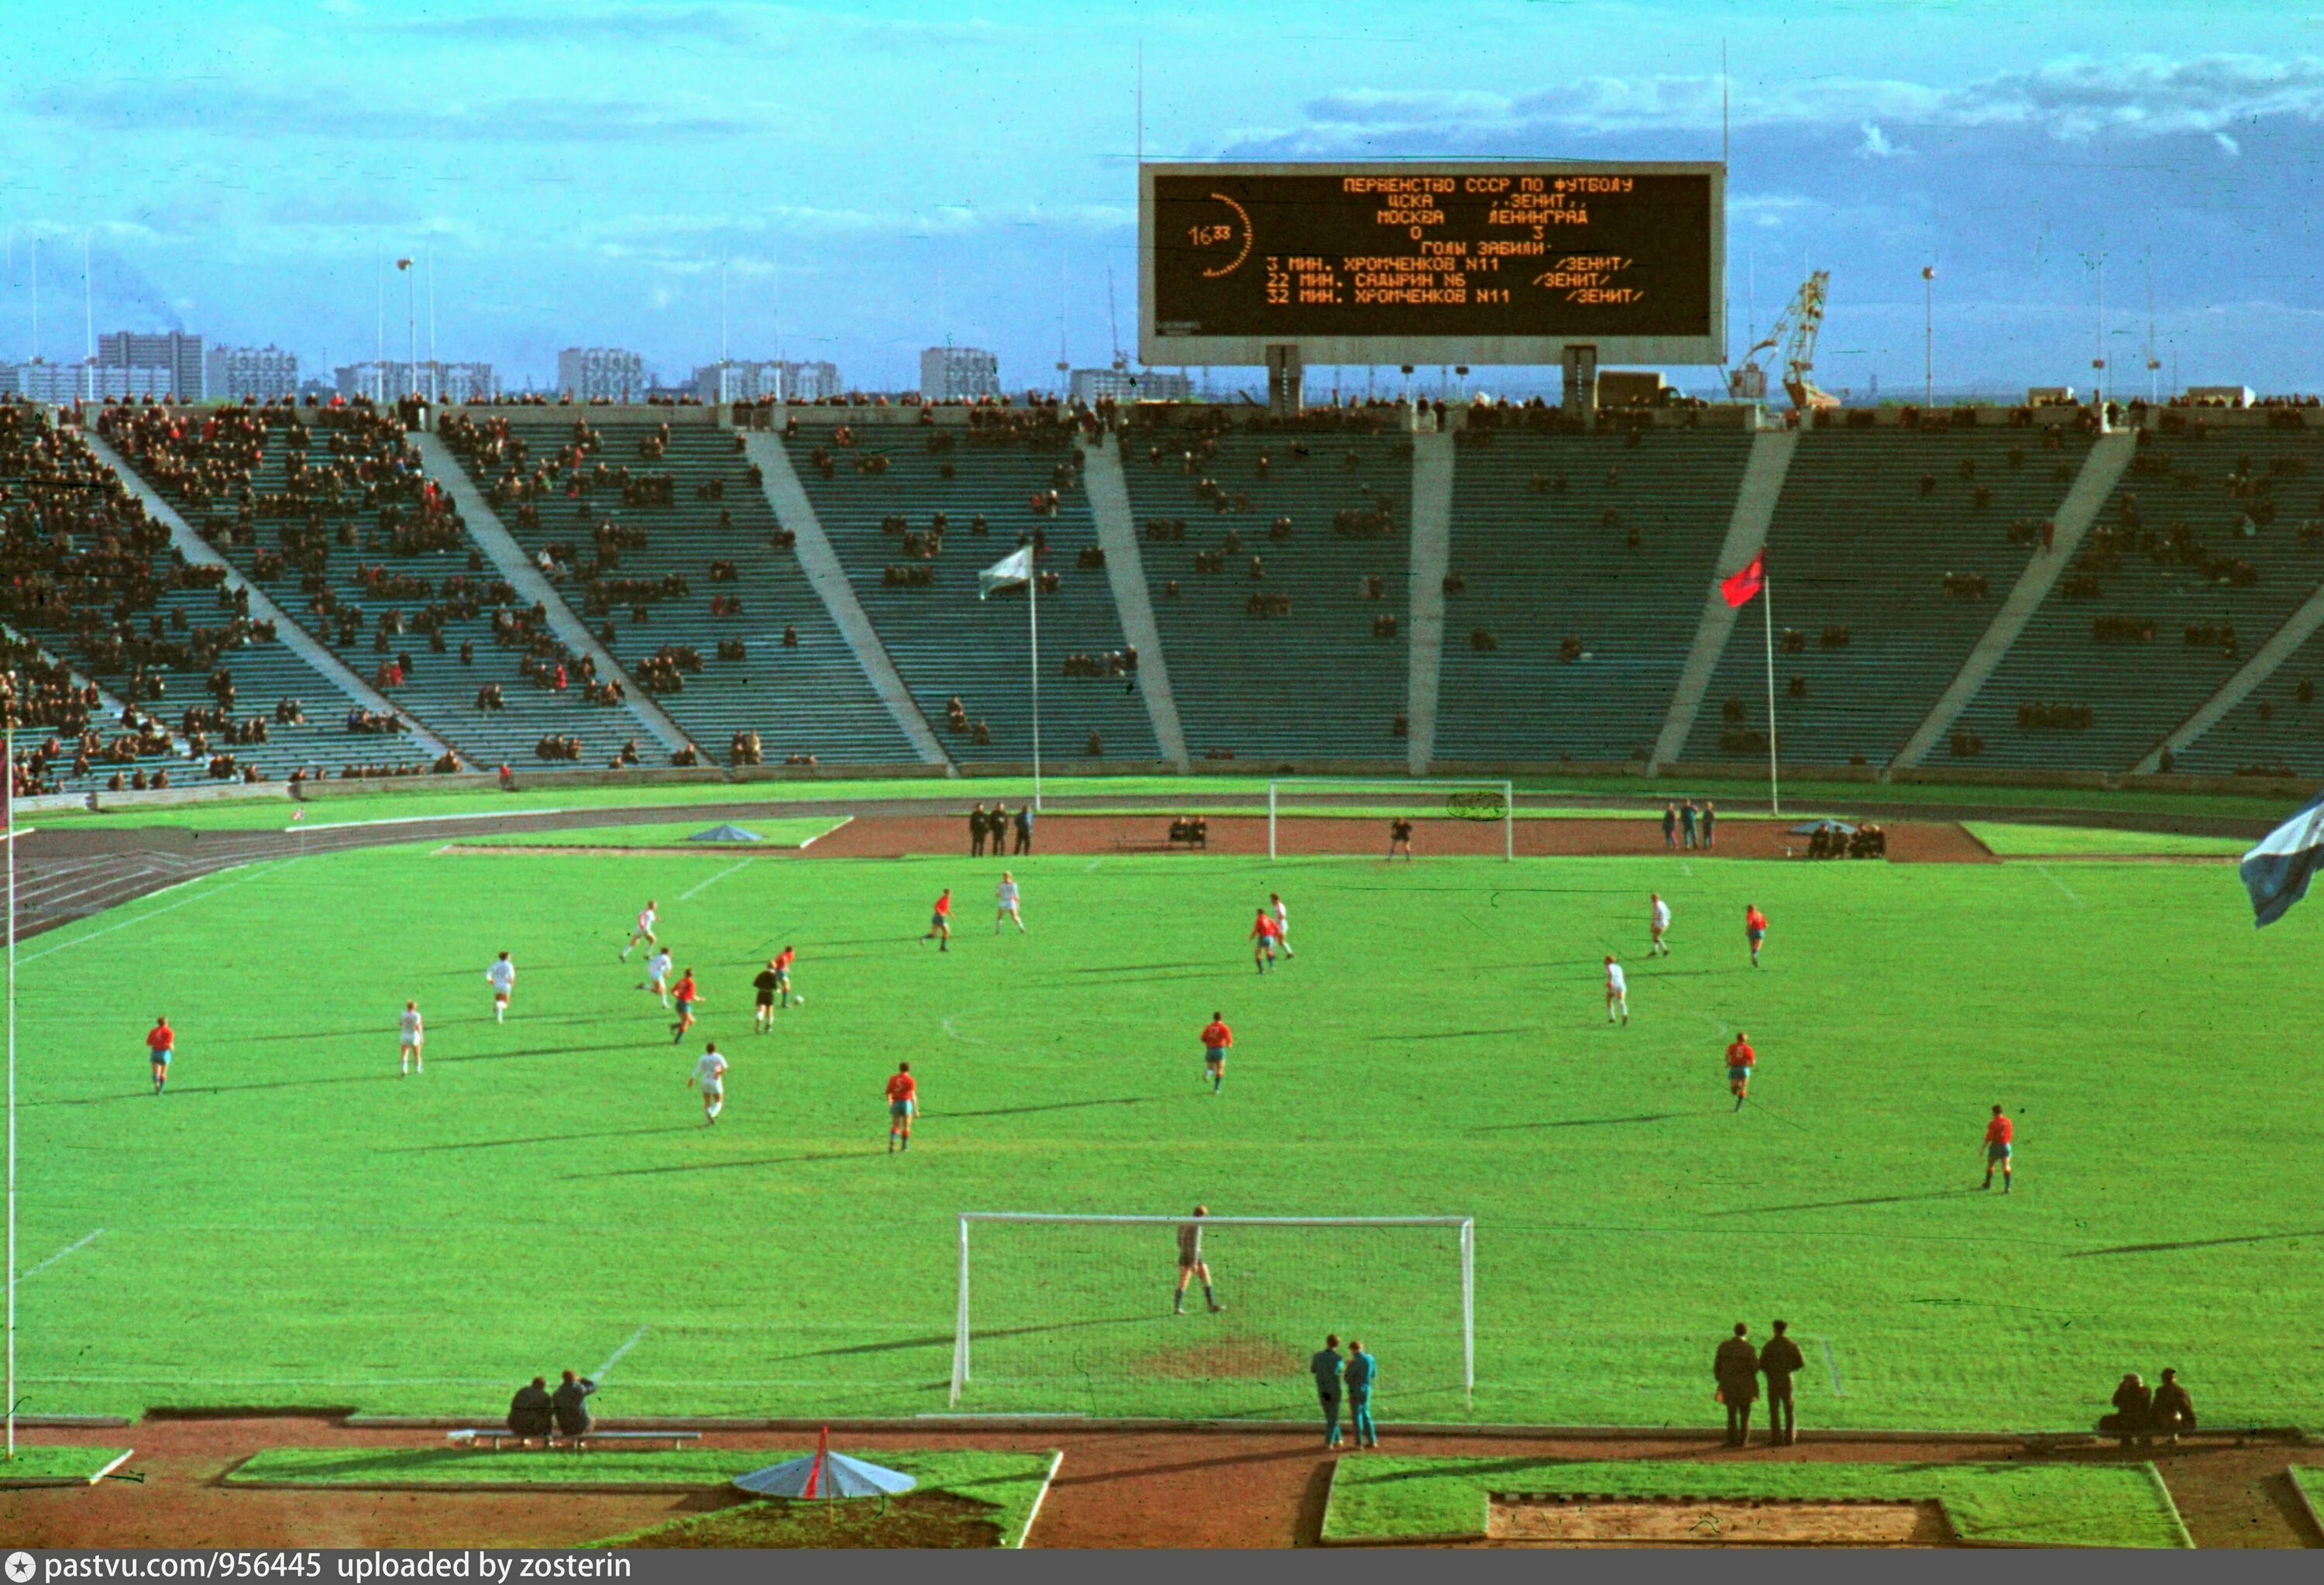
x,y
1362,1378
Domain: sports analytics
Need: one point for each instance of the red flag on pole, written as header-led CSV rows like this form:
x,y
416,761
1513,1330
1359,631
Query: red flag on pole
x,y
814,1470
1739,588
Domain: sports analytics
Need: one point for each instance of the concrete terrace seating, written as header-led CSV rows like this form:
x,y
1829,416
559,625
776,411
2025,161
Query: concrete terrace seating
x,y
1859,542
1540,566
1316,683
812,698
945,641
2272,727
83,632
2137,691
439,691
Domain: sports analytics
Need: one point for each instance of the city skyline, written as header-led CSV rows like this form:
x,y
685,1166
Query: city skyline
x,y
675,178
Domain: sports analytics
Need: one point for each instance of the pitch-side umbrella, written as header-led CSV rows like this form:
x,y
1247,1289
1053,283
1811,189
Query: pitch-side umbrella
x,y
725,834
1811,827
824,1473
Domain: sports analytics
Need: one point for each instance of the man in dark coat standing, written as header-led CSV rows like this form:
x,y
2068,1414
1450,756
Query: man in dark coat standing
x,y
1735,1366
1779,1361
976,829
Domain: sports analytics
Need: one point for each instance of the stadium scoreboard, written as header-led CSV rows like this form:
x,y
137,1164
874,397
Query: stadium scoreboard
x,y
1413,263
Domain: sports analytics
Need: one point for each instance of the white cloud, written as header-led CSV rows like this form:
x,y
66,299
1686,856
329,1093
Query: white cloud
x,y
2227,142
1876,144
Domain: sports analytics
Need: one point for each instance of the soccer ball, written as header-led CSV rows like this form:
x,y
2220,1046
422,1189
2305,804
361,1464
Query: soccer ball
x,y
800,999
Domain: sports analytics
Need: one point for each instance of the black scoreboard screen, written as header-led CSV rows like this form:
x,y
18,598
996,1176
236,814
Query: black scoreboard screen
x,y
1417,264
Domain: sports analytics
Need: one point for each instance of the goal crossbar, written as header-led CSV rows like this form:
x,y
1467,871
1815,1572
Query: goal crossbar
x,y
1465,1226
1291,788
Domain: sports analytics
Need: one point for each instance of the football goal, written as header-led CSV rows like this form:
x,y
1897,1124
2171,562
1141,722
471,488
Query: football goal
x,y
1409,797
1087,1313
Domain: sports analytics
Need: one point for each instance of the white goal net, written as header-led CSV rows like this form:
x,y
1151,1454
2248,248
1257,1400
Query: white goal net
x,y
1086,1313
1411,797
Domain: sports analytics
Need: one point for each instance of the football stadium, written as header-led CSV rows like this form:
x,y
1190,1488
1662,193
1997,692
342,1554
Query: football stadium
x,y
1342,955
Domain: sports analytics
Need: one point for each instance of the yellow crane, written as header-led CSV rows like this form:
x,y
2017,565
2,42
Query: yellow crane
x,y
1795,333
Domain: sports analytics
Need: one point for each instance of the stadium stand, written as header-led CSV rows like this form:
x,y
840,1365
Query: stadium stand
x,y
95,581
734,643
1308,659
1583,558
914,513
2207,544
382,571
2275,730
1888,554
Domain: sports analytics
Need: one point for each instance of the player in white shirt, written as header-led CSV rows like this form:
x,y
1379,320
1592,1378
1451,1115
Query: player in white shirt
x,y
658,974
1658,922
1282,923
644,932
710,1073
1004,900
1618,991
411,1036
503,975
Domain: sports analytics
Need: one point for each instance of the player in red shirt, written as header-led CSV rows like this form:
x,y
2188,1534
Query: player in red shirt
x,y
903,1104
1755,930
1739,1058
1216,1038
940,923
685,996
1998,1133
160,1042
1262,940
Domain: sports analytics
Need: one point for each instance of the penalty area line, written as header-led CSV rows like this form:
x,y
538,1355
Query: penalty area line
x,y
615,1357
1831,1367
714,879
2061,885
72,1249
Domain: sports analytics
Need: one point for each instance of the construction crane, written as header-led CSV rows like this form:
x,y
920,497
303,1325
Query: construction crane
x,y
1795,333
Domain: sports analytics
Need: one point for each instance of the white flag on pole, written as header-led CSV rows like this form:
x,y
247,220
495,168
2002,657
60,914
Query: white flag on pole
x,y
1014,569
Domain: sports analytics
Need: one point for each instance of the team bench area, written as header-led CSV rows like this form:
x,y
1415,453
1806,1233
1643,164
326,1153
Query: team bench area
x,y
496,1437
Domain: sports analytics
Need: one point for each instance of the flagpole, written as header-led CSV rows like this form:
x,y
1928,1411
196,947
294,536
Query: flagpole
x,y
1033,648
1768,611
8,819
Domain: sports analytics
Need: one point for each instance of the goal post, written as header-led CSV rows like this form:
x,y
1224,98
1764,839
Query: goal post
x,y
1486,801
1076,1313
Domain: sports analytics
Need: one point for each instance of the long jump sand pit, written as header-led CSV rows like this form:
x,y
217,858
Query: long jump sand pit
x,y
1245,835
1549,1519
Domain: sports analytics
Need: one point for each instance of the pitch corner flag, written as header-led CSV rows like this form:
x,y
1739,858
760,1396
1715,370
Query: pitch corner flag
x,y
2277,871
1014,569
1739,588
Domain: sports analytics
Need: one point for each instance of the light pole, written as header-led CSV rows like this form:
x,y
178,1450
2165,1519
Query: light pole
x,y
411,326
1928,335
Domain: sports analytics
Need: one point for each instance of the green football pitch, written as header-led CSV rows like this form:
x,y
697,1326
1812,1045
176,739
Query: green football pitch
x,y
296,1224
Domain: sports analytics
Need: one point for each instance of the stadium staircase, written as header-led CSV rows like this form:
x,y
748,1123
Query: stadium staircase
x,y
1868,527
1432,559
947,643
786,497
1125,569
2206,492
525,703
1318,684
1746,533
805,698
2102,467
1579,561
295,666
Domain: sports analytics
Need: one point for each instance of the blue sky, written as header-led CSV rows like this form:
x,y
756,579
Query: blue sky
x,y
878,178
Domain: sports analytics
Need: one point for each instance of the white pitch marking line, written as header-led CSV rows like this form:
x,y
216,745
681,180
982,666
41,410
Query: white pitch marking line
x,y
963,1039
1831,1367
714,879
420,819
819,835
1092,864
2061,885
69,1249
125,923
615,1358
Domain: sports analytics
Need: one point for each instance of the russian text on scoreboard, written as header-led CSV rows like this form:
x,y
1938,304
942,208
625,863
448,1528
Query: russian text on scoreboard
x,y
1472,263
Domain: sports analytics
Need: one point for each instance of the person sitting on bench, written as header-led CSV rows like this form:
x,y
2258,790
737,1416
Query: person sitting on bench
x,y
571,1405
2172,1410
2133,1402
531,1411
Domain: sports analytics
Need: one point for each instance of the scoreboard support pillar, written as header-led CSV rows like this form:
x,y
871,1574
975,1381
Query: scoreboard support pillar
x,y
1581,366
1285,380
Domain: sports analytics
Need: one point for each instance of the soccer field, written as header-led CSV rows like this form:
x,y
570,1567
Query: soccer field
x,y
295,1224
